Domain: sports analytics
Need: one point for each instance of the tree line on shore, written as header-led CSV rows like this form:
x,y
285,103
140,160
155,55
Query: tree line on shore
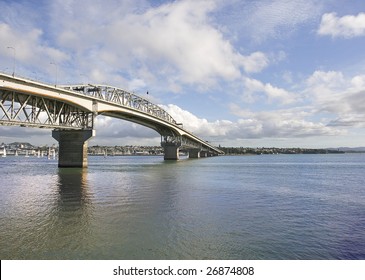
x,y
158,150
273,150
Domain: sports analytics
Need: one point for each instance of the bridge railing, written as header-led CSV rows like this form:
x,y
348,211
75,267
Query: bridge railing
x,y
124,98
115,95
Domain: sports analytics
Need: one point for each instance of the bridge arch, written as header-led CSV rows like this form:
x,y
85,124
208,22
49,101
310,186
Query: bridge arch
x,y
73,108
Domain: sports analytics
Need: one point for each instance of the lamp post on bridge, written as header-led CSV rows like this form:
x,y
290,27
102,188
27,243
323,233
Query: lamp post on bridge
x,y
55,64
14,52
82,80
35,75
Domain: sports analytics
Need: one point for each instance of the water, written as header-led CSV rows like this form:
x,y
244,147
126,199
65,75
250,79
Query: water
x,y
244,207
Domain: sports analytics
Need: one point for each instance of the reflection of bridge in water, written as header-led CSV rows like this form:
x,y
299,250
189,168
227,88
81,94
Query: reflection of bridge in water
x,y
70,112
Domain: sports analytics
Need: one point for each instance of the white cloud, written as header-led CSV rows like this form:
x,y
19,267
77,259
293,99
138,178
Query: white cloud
x,y
175,43
342,97
324,86
178,38
351,106
289,123
29,47
263,20
254,88
255,62
347,26
199,126
118,128
358,82
254,125
168,46
329,79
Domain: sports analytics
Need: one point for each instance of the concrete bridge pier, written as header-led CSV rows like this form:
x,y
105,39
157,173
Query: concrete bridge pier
x,y
72,147
171,151
194,153
203,154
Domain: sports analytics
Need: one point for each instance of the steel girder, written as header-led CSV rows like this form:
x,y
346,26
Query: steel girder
x,y
124,98
25,107
183,142
30,110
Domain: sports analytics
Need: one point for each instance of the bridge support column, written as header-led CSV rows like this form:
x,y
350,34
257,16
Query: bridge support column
x,y
194,153
72,147
203,154
171,151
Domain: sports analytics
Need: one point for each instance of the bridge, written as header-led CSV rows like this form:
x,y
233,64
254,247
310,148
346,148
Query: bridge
x,y
70,111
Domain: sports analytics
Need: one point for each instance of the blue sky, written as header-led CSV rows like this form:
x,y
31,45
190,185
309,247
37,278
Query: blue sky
x,y
236,73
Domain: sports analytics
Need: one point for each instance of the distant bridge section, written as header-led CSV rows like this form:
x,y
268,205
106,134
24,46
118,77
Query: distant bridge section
x,y
70,111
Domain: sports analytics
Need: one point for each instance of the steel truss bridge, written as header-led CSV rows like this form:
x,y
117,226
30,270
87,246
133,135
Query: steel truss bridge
x,y
24,102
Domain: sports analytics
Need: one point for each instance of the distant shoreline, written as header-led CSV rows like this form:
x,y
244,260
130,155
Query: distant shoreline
x,y
133,150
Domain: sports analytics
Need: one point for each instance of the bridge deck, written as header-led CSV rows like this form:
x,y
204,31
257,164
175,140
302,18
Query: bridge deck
x,y
28,103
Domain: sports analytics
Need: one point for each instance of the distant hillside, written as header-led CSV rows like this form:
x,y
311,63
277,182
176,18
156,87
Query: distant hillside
x,y
349,150
21,144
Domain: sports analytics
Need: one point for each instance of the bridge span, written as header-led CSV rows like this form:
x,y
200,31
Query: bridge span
x,y
70,111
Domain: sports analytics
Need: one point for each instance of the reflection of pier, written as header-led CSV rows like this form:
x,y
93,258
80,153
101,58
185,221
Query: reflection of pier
x,y
68,233
72,184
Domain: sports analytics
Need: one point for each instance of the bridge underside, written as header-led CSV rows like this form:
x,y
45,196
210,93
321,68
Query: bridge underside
x,y
36,111
73,125
171,140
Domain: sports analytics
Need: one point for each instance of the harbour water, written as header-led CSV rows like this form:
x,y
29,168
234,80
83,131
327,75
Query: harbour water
x,y
228,207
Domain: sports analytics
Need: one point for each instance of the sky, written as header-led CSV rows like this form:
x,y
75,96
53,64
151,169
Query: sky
x,y
258,73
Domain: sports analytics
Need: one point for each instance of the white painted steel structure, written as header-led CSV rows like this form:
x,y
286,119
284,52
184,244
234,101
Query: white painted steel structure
x,y
28,103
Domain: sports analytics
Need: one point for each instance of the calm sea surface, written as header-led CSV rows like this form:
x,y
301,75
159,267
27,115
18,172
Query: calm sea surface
x,y
243,207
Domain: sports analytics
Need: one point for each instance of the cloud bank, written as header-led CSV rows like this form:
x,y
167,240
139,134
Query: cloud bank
x,y
348,26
